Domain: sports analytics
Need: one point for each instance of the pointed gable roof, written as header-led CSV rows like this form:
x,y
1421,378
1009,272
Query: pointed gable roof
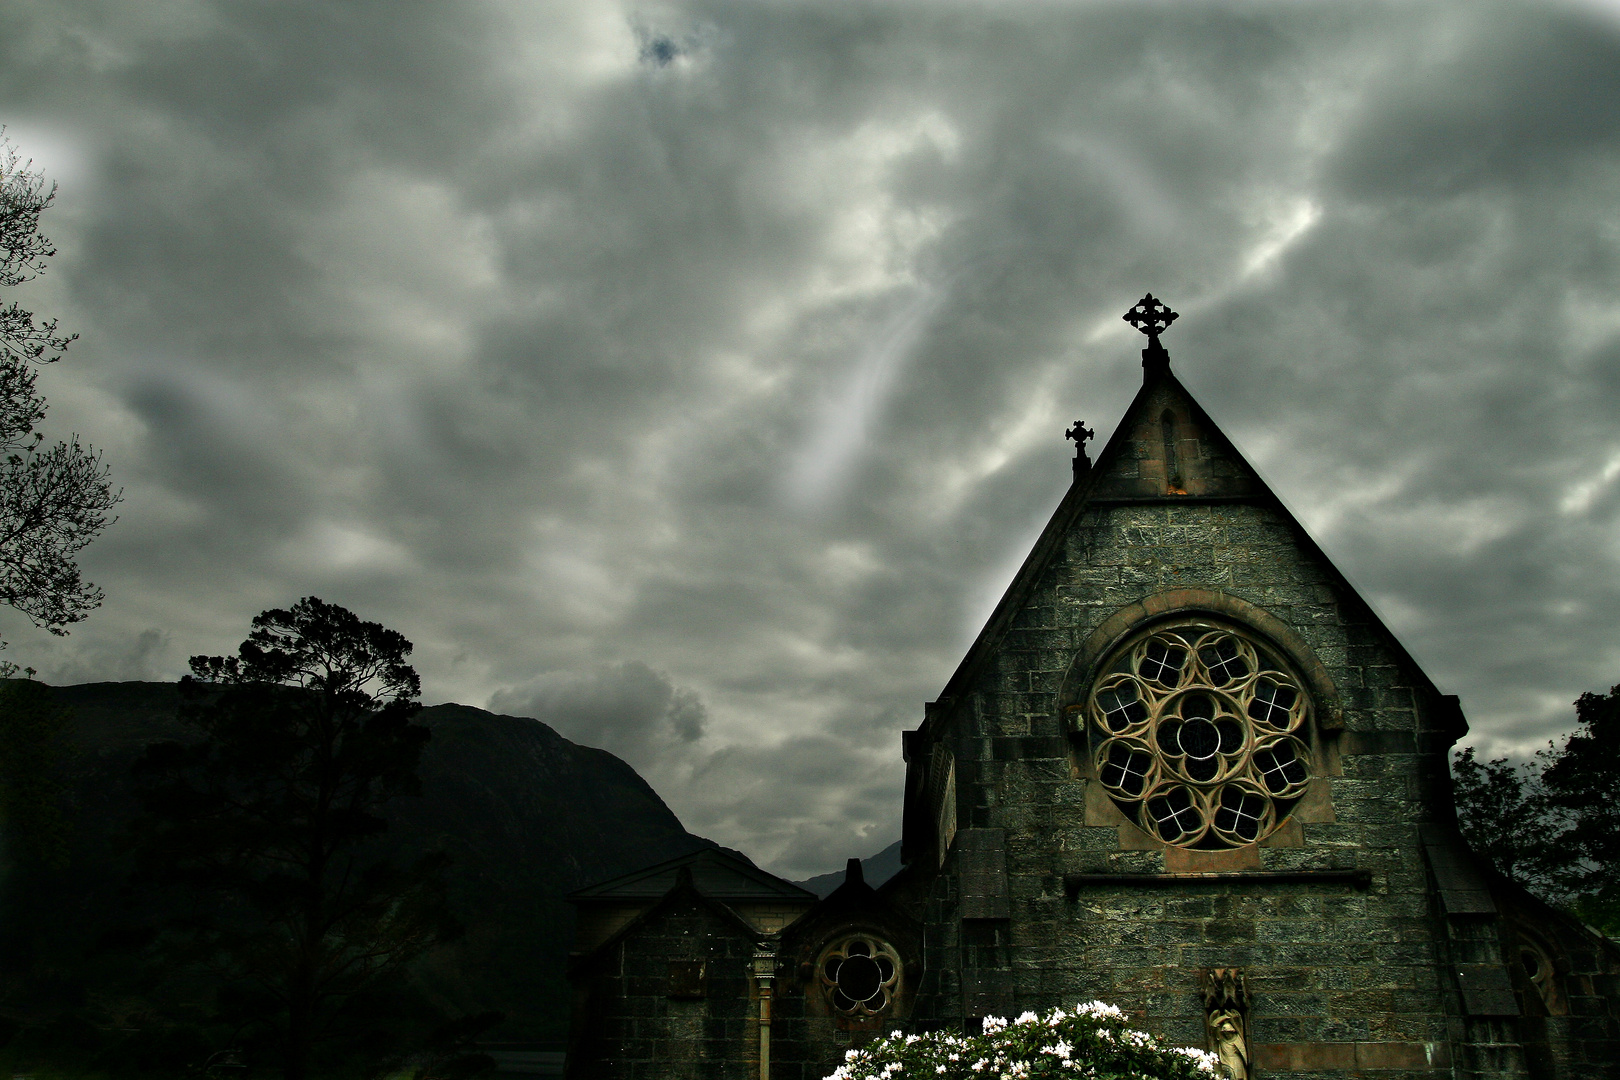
x,y
1165,450
716,873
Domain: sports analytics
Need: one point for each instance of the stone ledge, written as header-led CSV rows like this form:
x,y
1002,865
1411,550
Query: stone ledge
x,y
1360,879
1314,1057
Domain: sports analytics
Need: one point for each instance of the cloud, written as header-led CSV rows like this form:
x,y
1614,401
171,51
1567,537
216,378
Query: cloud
x,y
741,339
628,709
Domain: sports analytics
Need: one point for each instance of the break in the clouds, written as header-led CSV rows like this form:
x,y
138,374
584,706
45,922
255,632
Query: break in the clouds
x,y
693,375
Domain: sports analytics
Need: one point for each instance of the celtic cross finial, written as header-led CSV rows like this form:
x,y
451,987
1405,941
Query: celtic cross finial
x,y
1080,433
1150,316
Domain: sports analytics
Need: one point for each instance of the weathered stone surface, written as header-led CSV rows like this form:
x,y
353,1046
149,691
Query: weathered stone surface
x,y
1343,980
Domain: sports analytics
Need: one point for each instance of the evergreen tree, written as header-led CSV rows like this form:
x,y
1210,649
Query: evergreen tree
x,y
271,823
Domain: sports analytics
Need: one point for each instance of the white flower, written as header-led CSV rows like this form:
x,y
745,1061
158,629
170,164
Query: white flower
x,y
1026,1018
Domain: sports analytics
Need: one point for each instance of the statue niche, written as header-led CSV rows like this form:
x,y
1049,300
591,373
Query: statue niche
x,y
1226,1018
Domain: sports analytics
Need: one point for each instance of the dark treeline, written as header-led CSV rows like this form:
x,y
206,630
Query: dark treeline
x,y
1553,823
286,867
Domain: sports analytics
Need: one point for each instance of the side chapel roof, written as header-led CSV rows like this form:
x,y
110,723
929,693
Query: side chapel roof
x,y
716,873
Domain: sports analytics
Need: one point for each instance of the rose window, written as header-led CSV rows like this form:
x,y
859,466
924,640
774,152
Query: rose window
x,y
859,975
1199,735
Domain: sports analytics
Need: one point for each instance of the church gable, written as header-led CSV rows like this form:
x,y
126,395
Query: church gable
x,y
1166,446
1192,749
1184,769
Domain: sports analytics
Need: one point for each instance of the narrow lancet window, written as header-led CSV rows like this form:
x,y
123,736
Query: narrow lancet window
x,y
1172,467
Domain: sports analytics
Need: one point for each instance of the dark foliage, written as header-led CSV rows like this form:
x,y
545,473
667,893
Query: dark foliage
x,y
1553,824
269,826
528,815
1504,815
1581,784
32,783
53,499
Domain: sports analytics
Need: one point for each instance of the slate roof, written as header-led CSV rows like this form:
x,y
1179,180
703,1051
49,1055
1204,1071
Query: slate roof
x,y
716,874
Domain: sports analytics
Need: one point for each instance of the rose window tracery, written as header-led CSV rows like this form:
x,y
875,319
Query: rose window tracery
x,y
1200,735
859,975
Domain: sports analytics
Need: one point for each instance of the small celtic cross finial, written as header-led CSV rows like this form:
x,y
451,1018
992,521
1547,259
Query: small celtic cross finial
x,y
1150,316
1080,433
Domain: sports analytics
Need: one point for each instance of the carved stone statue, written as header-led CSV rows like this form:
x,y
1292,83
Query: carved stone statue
x,y
1231,1044
1226,1009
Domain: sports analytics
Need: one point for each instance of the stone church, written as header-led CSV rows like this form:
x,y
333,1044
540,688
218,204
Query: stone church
x,y
1184,769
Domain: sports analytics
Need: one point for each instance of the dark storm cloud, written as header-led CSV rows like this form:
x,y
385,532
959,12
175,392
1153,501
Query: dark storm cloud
x,y
741,338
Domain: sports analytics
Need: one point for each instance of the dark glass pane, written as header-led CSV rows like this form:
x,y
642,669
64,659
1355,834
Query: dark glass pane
x,y
1231,736
858,948
832,967
1199,739
1136,774
1271,703
859,978
1126,769
1121,707
1277,765
1165,815
885,968
1197,705
1224,661
1162,663
1202,769
1167,737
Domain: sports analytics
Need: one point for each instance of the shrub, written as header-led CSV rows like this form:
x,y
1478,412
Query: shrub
x,y
1092,1042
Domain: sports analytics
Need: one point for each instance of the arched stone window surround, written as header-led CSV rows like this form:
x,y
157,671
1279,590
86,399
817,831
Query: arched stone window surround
x,y
875,985
1180,606
1176,604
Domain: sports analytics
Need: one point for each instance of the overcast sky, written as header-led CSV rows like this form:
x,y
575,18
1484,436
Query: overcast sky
x,y
693,376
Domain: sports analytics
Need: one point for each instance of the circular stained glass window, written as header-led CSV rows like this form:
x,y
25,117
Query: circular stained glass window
x,y
859,975
1200,735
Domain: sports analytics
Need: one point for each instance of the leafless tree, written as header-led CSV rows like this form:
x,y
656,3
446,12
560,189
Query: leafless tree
x,y
54,498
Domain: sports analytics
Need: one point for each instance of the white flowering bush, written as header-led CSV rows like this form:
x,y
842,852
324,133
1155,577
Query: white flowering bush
x,y
1092,1042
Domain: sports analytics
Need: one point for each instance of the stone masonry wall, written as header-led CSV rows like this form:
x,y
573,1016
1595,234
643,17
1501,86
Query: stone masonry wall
x,y
640,1019
1351,978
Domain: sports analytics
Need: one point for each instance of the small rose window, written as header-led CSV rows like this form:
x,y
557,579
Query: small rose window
x,y
1200,735
859,975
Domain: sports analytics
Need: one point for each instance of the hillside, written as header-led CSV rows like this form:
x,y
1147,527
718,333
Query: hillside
x,y
526,815
875,870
